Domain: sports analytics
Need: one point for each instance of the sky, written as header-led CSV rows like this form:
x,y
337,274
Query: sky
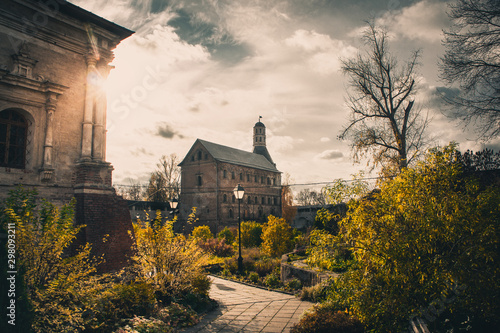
x,y
209,68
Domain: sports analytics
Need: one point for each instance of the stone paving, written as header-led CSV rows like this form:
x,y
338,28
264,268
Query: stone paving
x,y
243,308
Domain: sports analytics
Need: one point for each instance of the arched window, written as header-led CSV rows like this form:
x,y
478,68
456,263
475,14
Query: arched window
x,y
249,200
199,181
224,198
231,215
13,130
199,155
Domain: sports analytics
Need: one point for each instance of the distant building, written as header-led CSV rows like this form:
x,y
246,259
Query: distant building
x,y
209,173
54,57
306,215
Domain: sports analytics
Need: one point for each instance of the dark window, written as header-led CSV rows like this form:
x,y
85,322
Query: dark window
x,y
262,180
13,129
255,179
241,176
275,201
263,201
268,201
248,177
231,215
268,181
233,199
274,181
224,198
249,200
224,174
199,181
199,155
232,174
256,201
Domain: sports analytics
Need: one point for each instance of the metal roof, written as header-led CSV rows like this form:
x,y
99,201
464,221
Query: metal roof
x,y
236,156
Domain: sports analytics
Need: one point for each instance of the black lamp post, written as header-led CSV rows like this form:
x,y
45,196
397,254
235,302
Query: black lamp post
x,y
239,191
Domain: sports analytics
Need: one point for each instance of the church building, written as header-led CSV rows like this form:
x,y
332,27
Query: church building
x,y
54,58
210,172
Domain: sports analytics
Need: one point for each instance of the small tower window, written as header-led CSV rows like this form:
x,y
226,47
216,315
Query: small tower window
x,y
199,180
199,155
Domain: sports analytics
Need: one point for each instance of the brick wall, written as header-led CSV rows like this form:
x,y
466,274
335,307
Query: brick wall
x,y
106,216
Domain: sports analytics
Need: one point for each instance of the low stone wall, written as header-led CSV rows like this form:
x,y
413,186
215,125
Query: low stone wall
x,y
308,277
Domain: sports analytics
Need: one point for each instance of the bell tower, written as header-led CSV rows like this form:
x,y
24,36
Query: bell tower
x,y
259,140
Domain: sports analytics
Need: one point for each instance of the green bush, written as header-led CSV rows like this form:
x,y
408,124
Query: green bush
x,y
265,266
253,277
202,232
177,315
325,319
315,294
277,237
226,234
251,233
272,280
122,301
293,284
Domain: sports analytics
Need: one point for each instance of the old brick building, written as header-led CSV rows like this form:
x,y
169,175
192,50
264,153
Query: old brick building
x,y
54,57
209,173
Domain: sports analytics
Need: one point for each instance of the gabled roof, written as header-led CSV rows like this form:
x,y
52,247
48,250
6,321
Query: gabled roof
x,y
234,156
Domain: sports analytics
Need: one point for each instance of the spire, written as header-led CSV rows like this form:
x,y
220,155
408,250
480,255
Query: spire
x,y
259,140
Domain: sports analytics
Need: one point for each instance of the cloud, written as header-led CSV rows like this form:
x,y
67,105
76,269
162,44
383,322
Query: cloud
x,y
167,132
325,139
330,155
423,21
322,53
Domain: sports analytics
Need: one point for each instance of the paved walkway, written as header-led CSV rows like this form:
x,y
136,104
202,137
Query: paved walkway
x,y
244,308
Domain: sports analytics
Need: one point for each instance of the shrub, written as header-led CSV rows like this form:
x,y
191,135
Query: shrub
x,y
315,294
272,280
324,319
177,315
54,281
201,284
293,284
143,325
173,265
251,233
226,234
216,247
122,301
202,232
265,266
253,277
277,237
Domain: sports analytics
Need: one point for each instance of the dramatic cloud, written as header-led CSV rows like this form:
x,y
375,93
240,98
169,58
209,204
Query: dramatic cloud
x,y
423,20
209,69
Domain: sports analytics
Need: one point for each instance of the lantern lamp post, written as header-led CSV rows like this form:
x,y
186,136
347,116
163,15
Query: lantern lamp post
x,y
239,191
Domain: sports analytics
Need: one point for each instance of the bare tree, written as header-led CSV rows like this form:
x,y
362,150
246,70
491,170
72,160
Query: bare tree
x,y
288,210
164,183
308,197
384,123
472,61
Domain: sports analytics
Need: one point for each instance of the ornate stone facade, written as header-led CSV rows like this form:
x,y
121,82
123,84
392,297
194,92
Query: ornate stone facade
x,y
54,57
209,173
